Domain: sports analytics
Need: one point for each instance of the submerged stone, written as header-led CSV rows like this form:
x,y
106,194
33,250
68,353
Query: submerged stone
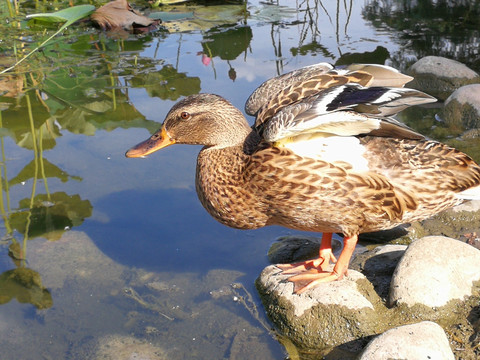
x,y
118,347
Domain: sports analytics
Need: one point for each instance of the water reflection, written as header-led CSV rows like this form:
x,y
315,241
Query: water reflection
x,y
166,83
431,27
70,113
46,214
24,285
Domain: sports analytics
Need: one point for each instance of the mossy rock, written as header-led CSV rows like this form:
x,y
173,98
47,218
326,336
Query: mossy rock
x,y
462,108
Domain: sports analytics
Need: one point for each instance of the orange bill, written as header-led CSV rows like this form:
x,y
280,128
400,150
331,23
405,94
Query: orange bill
x,y
155,142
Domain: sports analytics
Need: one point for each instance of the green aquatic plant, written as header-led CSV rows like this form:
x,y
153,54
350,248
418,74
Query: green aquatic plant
x,y
68,16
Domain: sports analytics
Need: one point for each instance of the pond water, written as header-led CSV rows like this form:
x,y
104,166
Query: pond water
x,y
101,254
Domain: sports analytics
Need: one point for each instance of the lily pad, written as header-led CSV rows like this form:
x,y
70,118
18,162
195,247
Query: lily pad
x,y
51,215
25,285
170,16
206,17
167,83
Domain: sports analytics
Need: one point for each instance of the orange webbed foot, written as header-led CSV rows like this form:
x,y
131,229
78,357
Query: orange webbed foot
x,y
322,262
311,273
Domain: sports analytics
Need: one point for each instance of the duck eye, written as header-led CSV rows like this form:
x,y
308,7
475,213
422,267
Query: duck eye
x,y
185,115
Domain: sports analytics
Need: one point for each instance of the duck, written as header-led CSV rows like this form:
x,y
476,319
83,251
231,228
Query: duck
x,y
325,154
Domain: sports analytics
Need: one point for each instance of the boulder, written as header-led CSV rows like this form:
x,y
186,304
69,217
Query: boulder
x,y
329,315
288,249
439,76
462,108
378,266
424,340
433,271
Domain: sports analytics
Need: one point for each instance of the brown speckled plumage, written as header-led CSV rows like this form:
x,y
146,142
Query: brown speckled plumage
x,y
246,182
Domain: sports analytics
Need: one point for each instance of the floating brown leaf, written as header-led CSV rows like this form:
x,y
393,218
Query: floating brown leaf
x,y
119,14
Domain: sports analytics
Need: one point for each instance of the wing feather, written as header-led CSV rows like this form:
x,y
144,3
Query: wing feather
x,y
345,110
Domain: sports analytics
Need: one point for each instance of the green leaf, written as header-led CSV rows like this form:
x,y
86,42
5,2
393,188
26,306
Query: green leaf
x,y
69,15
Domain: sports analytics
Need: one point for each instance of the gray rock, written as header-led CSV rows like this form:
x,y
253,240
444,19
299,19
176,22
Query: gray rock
x,y
329,315
424,340
471,206
462,108
440,76
341,316
378,266
433,271
380,261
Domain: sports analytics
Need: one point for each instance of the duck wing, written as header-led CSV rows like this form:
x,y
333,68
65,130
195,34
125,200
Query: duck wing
x,y
273,86
382,75
342,110
363,74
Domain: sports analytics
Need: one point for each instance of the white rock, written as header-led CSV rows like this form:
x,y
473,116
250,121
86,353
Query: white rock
x,y
331,314
339,293
472,206
425,340
433,271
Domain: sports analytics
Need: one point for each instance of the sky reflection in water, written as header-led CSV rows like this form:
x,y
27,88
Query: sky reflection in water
x,y
144,221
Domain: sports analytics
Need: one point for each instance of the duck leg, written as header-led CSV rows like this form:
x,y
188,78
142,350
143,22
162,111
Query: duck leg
x,y
314,276
322,262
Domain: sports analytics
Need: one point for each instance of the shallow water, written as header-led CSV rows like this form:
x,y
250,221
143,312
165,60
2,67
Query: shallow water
x,y
119,253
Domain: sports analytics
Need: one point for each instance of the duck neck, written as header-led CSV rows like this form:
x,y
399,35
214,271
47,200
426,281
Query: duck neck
x,y
234,135
217,162
219,179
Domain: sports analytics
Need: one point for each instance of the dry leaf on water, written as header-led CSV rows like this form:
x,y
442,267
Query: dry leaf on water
x,y
119,14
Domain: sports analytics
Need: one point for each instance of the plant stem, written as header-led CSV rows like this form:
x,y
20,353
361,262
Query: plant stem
x,y
33,51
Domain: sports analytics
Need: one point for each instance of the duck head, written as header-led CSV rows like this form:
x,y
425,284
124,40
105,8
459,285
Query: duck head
x,y
202,119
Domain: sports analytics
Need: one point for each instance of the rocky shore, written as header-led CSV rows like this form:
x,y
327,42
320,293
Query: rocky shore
x,y
425,295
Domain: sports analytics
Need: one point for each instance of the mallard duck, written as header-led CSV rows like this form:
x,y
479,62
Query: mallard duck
x,y
324,155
